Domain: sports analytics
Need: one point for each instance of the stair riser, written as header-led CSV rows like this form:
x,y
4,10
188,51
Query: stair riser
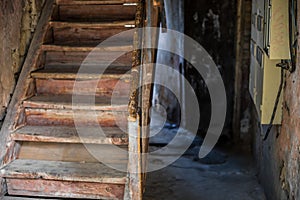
x,y
105,87
45,117
69,35
76,58
64,189
96,13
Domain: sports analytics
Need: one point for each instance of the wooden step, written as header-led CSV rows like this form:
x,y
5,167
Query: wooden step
x,y
67,102
94,2
96,13
101,48
75,152
63,179
71,33
63,134
23,198
103,87
112,24
59,110
85,72
60,80
59,117
57,56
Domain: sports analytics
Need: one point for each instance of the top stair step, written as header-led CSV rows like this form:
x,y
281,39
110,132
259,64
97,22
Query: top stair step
x,y
95,12
94,2
113,24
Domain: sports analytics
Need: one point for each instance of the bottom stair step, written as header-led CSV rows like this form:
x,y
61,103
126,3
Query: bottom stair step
x,y
63,180
23,198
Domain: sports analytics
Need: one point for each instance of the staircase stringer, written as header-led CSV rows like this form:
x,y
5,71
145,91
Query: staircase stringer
x,y
24,89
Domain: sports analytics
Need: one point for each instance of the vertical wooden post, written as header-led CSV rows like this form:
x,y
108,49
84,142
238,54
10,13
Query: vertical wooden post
x,y
238,72
134,163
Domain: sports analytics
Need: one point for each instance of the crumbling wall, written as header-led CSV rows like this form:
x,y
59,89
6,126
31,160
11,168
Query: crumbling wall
x,y
278,158
212,24
18,21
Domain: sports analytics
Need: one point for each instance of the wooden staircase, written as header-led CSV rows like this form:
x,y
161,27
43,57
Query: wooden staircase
x,y
43,155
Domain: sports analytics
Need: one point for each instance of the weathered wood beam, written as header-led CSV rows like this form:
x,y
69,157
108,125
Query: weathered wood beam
x,y
7,147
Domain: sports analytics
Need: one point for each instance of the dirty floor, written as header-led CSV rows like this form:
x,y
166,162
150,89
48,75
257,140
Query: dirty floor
x,y
223,175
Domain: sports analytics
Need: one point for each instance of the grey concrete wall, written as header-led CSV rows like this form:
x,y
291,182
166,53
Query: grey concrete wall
x,y
18,19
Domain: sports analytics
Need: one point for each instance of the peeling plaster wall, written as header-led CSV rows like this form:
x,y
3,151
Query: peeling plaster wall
x,y
18,19
212,24
278,158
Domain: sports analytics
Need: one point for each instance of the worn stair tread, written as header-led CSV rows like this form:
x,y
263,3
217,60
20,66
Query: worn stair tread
x,y
65,134
112,24
24,198
94,2
64,171
112,47
85,72
80,102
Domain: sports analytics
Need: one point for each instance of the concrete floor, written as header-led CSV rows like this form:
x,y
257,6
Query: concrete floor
x,y
223,175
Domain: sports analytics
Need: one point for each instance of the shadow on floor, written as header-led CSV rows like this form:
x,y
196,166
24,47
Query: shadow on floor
x,y
223,175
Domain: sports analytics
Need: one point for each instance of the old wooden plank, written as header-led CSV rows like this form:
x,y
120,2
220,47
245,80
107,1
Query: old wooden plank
x,y
49,117
116,47
102,87
88,153
151,37
111,24
92,36
63,134
76,103
7,147
96,13
65,189
85,72
23,198
63,171
81,153
93,2
92,58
